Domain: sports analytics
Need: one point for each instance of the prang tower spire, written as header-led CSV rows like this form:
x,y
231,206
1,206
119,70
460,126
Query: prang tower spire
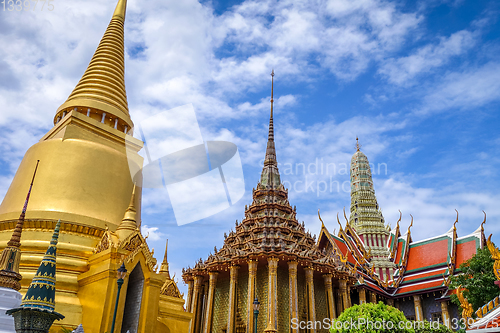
x,y
366,217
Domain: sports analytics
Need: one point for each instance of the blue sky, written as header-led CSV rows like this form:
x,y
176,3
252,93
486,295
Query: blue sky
x,y
416,81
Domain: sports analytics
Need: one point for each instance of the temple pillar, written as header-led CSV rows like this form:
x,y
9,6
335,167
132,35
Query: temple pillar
x,y
374,297
349,301
201,307
362,296
340,307
252,273
231,317
272,296
329,296
194,303
445,314
419,313
210,302
189,295
293,293
310,296
343,292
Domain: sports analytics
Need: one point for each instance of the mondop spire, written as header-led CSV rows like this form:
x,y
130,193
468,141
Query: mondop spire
x,y
270,174
102,87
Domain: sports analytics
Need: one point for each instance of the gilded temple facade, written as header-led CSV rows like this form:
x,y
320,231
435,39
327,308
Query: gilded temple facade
x,y
88,178
272,258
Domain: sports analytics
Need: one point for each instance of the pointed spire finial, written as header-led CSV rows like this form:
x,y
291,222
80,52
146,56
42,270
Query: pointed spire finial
x,y
129,222
11,255
358,146
164,265
101,89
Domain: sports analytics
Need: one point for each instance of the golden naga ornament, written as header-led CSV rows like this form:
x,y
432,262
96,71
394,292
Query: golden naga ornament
x,y
495,254
467,309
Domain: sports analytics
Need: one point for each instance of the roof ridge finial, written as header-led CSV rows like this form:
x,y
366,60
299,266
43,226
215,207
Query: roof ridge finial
x,y
358,146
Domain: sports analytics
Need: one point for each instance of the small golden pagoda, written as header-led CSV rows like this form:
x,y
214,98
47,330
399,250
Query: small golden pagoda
x,y
89,163
270,256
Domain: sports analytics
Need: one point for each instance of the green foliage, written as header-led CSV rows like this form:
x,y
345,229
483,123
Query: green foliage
x,y
477,278
370,313
383,315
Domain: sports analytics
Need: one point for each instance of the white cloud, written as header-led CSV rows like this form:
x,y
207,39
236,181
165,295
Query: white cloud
x,y
473,87
152,233
425,59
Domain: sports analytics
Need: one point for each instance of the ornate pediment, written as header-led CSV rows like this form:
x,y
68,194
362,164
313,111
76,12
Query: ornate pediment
x,y
107,241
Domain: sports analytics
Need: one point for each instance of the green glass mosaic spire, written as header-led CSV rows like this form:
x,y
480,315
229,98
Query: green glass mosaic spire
x,y
42,290
366,217
365,213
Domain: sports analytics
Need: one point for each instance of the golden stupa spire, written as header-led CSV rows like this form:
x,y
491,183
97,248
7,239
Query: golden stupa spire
x,y
11,255
164,265
101,89
358,146
129,222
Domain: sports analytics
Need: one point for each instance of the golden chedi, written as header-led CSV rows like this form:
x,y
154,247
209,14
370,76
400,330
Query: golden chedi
x,y
89,163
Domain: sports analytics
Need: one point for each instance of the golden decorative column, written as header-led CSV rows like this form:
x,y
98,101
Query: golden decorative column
x,y
189,295
419,314
374,297
210,302
231,319
349,304
272,306
194,303
293,293
310,296
252,273
362,296
343,292
340,306
445,314
329,296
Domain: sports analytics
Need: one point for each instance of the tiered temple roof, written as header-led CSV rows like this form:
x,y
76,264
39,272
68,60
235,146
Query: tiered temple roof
x,y
422,266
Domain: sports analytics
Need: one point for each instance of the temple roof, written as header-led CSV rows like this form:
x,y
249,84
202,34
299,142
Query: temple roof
x,y
270,226
422,266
